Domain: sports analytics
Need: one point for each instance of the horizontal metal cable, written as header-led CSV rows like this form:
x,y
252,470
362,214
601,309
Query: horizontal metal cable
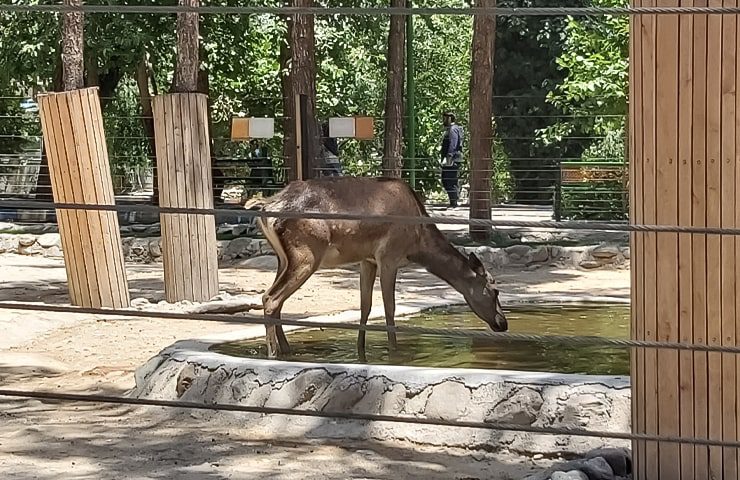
x,y
372,417
241,10
572,340
550,224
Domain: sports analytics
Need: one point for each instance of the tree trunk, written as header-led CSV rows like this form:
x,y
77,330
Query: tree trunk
x,y
481,113
393,134
73,37
147,118
286,88
303,80
186,66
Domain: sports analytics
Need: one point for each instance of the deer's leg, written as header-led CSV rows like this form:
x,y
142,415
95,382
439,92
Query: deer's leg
x,y
388,287
368,271
274,334
300,265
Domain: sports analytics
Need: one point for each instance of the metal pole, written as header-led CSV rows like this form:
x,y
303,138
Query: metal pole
x,y
410,101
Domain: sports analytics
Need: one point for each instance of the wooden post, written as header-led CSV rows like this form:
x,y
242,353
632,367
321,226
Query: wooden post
x,y
189,249
684,170
72,125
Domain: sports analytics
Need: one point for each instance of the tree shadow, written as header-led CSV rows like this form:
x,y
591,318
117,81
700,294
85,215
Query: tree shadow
x,y
54,440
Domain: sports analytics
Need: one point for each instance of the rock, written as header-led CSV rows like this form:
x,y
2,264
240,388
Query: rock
x,y
263,262
26,240
53,252
597,469
626,252
605,252
619,459
538,255
520,408
517,251
590,264
8,243
6,227
444,402
570,475
140,302
155,248
49,240
241,247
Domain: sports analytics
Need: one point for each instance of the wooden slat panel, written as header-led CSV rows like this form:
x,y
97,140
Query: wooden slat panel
x,y
88,173
183,156
736,162
78,163
109,220
729,416
650,392
80,230
714,260
699,242
685,301
49,127
666,178
637,204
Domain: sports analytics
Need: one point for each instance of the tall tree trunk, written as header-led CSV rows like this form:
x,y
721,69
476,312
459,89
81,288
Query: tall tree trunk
x,y
286,88
393,134
69,75
73,62
186,67
303,80
147,118
481,121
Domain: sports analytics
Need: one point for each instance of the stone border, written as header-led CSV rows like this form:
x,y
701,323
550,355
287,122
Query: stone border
x,y
149,250
189,371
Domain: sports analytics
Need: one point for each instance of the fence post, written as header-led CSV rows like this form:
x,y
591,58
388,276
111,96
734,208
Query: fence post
x,y
72,125
684,171
189,250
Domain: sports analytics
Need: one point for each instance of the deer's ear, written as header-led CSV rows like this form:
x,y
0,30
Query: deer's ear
x,y
476,264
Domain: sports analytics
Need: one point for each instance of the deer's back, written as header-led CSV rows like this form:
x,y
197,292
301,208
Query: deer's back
x,y
348,241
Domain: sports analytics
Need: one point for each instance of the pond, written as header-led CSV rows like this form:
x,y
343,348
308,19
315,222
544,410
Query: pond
x,y
603,320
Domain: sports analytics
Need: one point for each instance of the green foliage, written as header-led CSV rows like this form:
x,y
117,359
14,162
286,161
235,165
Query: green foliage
x,y
552,74
594,92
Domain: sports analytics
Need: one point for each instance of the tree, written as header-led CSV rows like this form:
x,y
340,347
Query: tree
x,y
481,113
393,132
303,83
186,68
73,62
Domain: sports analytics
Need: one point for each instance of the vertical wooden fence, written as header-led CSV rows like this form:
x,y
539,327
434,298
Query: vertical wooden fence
x,y
685,171
189,249
72,125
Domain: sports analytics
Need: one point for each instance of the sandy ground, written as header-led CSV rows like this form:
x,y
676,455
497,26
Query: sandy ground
x,y
51,351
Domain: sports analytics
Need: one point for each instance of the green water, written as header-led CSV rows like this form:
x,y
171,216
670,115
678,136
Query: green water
x,y
340,346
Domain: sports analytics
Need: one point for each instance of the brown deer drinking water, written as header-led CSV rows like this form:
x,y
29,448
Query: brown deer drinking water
x,y
305,245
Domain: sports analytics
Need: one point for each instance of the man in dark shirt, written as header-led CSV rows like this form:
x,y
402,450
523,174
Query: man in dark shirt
x,y
330,153
451,155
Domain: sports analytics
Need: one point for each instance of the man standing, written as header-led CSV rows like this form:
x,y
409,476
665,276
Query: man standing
x,y
451,155
330,153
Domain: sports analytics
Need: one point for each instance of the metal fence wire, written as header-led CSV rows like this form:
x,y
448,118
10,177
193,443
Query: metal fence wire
x,y
508,337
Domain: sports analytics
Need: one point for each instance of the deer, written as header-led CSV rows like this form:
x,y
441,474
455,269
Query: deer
x,y
305,245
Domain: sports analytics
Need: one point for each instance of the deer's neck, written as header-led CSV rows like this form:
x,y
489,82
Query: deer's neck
x,y
441,259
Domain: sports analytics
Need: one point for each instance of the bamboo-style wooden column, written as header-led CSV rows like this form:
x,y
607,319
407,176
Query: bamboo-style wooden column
x,y
685,171
72,125
189,249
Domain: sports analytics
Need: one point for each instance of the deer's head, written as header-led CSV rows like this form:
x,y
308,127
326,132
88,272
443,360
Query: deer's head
x,y
484,298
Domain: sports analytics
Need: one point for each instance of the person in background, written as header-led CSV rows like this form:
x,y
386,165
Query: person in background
x,y
330,153
261,165
451,155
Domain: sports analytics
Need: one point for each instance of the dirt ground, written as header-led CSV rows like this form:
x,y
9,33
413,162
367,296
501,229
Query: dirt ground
x,y
64,352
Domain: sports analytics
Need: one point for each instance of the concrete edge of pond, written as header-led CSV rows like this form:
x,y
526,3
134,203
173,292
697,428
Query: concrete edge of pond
x,y
189,371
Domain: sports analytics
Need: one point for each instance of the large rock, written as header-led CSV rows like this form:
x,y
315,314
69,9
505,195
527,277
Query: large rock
x,y
49,240
9,243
